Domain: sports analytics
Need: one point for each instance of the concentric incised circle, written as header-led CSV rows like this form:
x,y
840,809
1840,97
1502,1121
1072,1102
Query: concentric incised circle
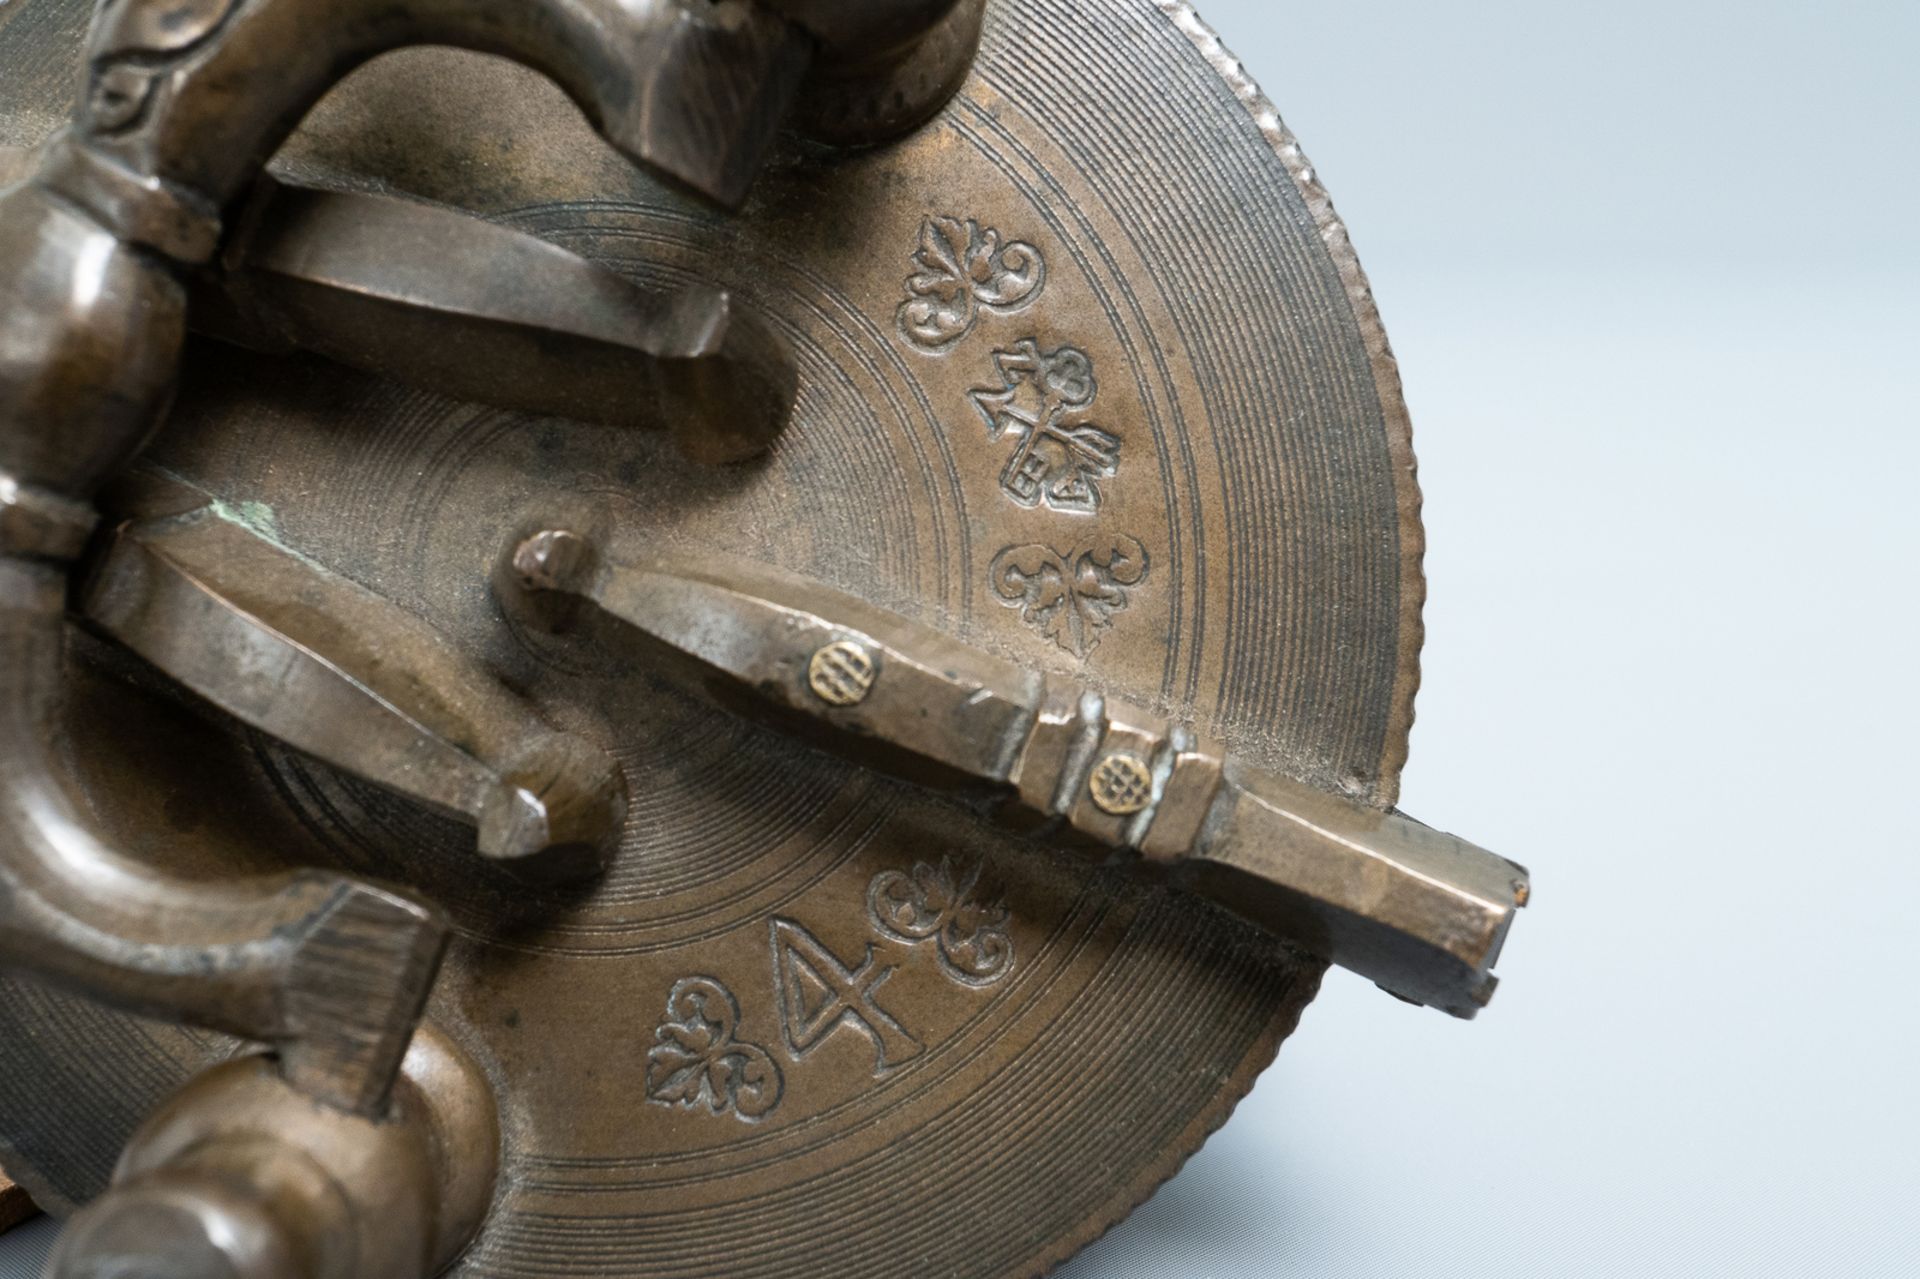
x,y
1086,377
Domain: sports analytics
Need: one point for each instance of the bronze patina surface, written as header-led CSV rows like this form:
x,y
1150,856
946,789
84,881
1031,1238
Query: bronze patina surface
x,y
15,1207
409,630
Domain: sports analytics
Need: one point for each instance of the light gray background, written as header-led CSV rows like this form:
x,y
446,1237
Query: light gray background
x,y
1651,274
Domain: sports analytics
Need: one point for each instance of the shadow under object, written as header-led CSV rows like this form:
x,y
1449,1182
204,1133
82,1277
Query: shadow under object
x,y
15,1206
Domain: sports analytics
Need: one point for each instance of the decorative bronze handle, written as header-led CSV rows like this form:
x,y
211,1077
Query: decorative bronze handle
x,y
1419,911
194,97
240,1176
185,103
332,971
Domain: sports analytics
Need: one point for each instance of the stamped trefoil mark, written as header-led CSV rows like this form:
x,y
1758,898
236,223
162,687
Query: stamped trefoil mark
x,y
932,904
961,269
1070,596
698,1061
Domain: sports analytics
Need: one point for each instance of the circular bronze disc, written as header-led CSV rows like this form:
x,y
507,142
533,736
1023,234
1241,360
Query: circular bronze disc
x,y
1099,303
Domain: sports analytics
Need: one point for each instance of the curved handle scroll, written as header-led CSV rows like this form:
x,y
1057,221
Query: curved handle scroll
x,y
186,101
333,971
197,96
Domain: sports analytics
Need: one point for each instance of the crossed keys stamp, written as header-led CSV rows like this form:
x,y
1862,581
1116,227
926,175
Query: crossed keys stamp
x,y
1058,459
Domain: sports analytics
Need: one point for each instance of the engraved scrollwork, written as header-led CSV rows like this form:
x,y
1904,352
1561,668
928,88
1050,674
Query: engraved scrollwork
x,y
960,269
135,46
1057,460
930,903
698,1062
1070,597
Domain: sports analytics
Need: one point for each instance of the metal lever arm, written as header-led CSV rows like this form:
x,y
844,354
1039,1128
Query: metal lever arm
x,y
345,675
441,299
1420,912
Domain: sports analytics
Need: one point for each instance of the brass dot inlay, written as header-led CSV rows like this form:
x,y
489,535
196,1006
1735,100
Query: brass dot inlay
x,y
842,673
1121,784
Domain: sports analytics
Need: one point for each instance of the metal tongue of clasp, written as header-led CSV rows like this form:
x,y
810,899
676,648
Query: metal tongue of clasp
x,y
1417,910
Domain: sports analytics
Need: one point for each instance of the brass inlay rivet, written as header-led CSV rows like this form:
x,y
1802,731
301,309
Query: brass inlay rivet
x,y
1121,784
842,673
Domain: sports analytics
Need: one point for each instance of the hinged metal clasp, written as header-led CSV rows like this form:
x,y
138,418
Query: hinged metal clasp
x,y
1419,911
